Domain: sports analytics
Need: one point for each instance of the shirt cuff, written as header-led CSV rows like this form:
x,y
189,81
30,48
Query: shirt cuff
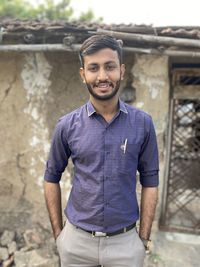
x,y
52,178
149,180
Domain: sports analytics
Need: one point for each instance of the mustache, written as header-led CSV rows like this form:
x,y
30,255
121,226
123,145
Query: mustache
x,y
100,82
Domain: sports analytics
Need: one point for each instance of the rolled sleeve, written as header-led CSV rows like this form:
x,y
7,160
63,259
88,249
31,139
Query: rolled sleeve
x,y
148,164
58,156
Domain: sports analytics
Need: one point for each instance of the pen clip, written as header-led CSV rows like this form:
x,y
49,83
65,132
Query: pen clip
x,y
125,145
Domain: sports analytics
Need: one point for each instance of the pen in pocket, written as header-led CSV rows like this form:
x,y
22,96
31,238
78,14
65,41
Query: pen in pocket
x,y
124,146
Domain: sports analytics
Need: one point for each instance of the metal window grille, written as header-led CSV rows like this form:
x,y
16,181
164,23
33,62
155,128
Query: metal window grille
x,y
182,201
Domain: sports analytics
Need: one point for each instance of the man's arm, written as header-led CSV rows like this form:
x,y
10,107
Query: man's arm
x,y
149,199
53,201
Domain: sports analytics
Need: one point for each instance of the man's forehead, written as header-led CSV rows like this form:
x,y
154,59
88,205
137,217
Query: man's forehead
x,y
102,56
104,63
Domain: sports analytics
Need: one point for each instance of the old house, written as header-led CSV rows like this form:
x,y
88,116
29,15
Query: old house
x,y
39,82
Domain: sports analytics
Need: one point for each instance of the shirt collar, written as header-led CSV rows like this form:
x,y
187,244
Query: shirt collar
x,y
91,110
122,106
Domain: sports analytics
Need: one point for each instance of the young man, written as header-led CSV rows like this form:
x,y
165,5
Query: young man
x,y
108,142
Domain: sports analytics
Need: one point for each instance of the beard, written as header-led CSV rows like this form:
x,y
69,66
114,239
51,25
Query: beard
x,y
106,96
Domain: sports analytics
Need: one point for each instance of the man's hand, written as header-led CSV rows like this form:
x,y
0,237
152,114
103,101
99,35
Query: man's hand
x,y
57,234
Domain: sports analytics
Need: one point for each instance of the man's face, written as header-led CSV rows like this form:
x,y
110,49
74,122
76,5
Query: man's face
x,y
102,74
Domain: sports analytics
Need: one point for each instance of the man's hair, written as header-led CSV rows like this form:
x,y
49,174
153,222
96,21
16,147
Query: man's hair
x,y
98,42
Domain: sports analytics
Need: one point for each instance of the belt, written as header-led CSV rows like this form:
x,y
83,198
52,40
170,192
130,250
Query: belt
x,y
120,231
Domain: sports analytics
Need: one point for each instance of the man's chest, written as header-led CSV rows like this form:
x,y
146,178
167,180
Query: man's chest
x,y
119,142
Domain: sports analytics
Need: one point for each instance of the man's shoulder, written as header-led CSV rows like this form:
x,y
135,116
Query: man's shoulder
x,y
71,116
136,112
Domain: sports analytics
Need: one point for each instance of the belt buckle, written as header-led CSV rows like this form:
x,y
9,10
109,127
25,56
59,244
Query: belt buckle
x,y
99,234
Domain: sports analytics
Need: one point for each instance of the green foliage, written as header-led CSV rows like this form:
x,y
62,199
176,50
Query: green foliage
x,y
50,10
14,8
89,16
22,9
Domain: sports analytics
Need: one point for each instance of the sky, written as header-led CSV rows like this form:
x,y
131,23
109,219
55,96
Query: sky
x,y
154,12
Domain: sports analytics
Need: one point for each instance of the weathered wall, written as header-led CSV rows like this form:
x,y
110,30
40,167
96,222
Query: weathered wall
x,y
35,90
151,81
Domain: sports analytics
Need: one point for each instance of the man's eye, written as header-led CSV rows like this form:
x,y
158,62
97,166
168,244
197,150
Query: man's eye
x,y
110,67
92,69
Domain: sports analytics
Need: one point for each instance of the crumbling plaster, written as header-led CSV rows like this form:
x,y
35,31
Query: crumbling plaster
x,y
151,81
35,90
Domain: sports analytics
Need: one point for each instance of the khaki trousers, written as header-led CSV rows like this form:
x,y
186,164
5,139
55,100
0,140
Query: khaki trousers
x,y
78,248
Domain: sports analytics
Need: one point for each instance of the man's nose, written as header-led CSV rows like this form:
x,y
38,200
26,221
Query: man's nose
x,y
102,75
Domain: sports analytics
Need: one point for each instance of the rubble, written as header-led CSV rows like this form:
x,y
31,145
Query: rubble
x,y
12,247
3,254
32,248
35,258
32,238
7,237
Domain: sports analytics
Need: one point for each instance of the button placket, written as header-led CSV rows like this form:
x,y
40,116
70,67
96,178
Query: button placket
x,y
107,174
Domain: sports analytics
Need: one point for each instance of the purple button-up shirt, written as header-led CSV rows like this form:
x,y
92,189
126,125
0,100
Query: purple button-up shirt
x,y
106,157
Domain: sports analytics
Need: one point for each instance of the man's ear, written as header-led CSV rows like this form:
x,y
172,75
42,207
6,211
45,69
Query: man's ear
x,y
82,74
122,70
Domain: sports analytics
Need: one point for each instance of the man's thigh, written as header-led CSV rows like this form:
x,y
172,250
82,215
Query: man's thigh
x,y
77,248
123,250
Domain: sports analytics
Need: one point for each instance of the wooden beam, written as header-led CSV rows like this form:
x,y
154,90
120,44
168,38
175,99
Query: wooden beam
x,y
38,48
167,52
159,40
76,47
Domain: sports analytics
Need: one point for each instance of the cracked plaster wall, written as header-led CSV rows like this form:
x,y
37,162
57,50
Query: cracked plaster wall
x,y
150,78
35,90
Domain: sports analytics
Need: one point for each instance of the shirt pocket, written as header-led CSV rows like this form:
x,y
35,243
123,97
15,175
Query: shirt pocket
x,y
127,158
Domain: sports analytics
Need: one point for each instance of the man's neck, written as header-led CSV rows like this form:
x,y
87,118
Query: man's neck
x,y
107,108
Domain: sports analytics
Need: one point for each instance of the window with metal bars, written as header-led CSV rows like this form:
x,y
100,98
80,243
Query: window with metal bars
x,y
181,210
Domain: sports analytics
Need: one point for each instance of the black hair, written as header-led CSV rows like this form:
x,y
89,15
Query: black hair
x,y
98,42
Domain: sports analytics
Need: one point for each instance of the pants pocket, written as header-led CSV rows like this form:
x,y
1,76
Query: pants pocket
x,y
59,237
140,242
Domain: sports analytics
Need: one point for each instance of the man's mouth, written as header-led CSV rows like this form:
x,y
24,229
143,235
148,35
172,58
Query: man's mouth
x,y
103,85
